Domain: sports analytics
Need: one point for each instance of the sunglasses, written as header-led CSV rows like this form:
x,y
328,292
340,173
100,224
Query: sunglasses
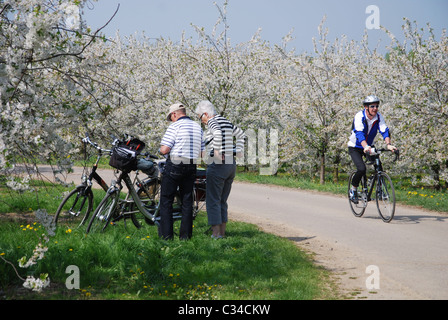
x,y
374,106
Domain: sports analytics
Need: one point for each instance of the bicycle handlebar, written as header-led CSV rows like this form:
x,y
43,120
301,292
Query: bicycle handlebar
x,y
149,155
94,144
379,151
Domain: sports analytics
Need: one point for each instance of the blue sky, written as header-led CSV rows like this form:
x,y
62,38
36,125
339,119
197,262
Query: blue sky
x,y
169,18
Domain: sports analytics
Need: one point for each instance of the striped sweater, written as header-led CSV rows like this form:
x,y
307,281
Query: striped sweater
x,y
220,136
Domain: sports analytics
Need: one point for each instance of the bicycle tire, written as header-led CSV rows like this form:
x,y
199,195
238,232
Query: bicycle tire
x,y
385,197
149,193
125,213
71,208
359,208
104,213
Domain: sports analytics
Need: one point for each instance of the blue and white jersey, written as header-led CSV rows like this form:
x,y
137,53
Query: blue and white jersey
x,y
365,129
184,138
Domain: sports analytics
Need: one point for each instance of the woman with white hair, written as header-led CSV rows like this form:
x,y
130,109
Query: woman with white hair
x,y
221,169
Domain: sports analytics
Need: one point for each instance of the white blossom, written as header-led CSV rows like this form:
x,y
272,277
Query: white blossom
x,y
37,284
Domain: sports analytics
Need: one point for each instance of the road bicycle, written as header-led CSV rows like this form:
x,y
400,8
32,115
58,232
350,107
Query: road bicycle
x,y
141,203
75,208
381,182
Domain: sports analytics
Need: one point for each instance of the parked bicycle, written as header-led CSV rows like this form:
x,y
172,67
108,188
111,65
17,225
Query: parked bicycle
x,y
141,203
75,208
384,189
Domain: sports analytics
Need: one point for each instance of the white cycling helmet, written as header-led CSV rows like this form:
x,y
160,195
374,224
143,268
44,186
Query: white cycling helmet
x,y
371,99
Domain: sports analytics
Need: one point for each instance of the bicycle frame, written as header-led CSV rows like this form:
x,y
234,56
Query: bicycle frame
x,y
93,174
117,187
373,179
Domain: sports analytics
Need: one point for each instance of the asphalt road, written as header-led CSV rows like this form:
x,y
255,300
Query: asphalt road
x,y
409,255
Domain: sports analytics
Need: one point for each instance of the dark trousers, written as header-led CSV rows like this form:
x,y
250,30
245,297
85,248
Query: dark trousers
x,y
176,176
357,155
219,183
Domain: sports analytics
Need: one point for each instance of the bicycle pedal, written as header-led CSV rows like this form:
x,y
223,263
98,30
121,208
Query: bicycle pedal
x,y
75,214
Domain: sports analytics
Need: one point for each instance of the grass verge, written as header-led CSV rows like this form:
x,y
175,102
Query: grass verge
x,y
129,263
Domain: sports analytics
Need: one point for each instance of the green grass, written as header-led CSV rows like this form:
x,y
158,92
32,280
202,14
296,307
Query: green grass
x,y
130,263
406,193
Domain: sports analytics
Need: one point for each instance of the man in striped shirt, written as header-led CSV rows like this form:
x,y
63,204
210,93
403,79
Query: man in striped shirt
x,y
182,145
221,171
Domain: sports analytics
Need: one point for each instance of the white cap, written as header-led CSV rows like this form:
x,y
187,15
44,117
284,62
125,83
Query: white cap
x,y
173,108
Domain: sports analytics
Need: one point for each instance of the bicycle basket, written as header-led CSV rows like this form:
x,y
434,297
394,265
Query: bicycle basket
x,y
123,158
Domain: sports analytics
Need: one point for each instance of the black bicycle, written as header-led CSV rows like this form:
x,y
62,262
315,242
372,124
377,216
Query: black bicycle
x,y
75,208
142,200
381,182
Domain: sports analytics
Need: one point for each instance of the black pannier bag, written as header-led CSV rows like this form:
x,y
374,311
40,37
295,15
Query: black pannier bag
x,y
146,166
124,156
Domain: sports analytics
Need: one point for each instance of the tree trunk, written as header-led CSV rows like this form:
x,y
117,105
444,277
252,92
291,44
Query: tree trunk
x,y
336,173
322,168
336,169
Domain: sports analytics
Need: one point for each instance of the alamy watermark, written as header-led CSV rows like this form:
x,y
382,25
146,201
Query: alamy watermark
x,y
260,149
72,281
373,20
257,150
373,280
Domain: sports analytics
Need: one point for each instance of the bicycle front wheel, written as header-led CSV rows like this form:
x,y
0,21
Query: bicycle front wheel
x,y
104,212
75,208
385,197
358,207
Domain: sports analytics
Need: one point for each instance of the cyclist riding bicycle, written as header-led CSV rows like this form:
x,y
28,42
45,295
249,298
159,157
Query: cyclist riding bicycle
x,y
366,124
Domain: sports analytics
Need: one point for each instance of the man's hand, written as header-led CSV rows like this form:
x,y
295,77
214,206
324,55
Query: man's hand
x,y
164,150
367,149
391,148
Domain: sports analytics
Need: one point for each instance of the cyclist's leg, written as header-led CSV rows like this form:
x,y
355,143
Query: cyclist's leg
x,y
357,157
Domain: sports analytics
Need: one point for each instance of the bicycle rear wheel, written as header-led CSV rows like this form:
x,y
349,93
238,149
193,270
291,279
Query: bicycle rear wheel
x,y
75,208
385,197
357,208
104,213
149,194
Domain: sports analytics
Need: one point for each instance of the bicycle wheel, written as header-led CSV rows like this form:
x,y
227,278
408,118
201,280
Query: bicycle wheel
x,y
149,194
385,197
104,212
357,208
75,208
